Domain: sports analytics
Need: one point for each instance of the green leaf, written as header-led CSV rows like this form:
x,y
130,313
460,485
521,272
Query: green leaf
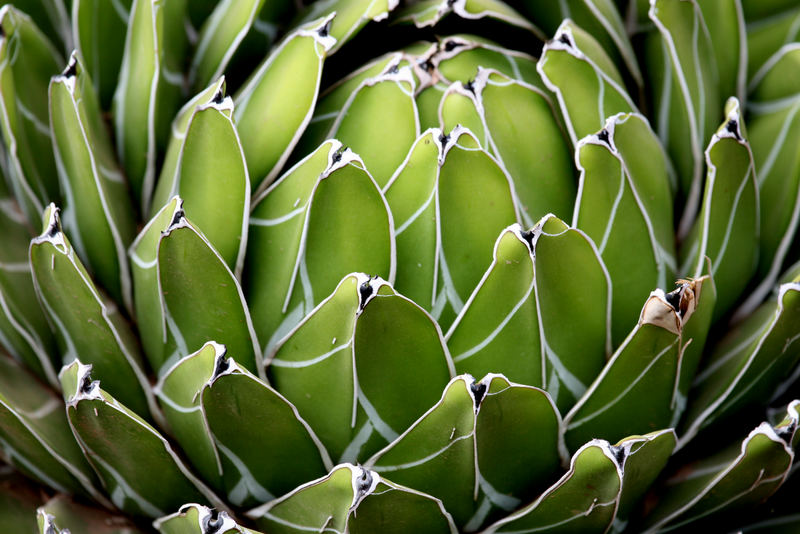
x,y
767,36
774,135
522,319
99,28
585,499
748,363
52,17
738,477
148,91
24,331
351,16
380,122
64,513
686,84
19,499
584,79
199,519
516,124
624,204
97,211
138,467
35,436
87,325
726,29
268,127
201,298
167,180
638,390
726,231
27,61
356,500
240,410
484,446
334,366
211,178
442,248
304,238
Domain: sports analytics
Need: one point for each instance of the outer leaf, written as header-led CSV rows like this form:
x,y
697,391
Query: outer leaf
x,y
748,363
585,499
729,213
726,29
200,295
587,84
137,465
199,519
517,126
99,30
87,326
351,16
624,205
27,60
484,445
212,179
52,16
291,72
97,210
767,36
334,365
355,500
638,390
741,476
64,513
240,411
148,89
529,319
774,136
303,239
686,81
35,436
24,331
442,247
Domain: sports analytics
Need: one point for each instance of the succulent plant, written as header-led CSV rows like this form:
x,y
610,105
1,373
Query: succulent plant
x,y
381,266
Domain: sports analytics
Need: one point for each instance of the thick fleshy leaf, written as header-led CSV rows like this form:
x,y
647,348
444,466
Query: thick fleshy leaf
x,y
199,519
211,178
66,515
52,17
540,314
351,16
748,363
484,445
442,247
241,410
756,9
88,326
167,180
27,61
269,128
97,212
148,91
638,390
585,499
736,478
584,79
600,18
726,29
516,124
305,235
201,298
685,82
767,36
774,129
624,204
99,28
24,331
19,499
430,12
35,436
334,367
380,122
356,500
726,231
139,469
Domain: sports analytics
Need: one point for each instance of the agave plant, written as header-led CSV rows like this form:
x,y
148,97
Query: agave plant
x,y
376,266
